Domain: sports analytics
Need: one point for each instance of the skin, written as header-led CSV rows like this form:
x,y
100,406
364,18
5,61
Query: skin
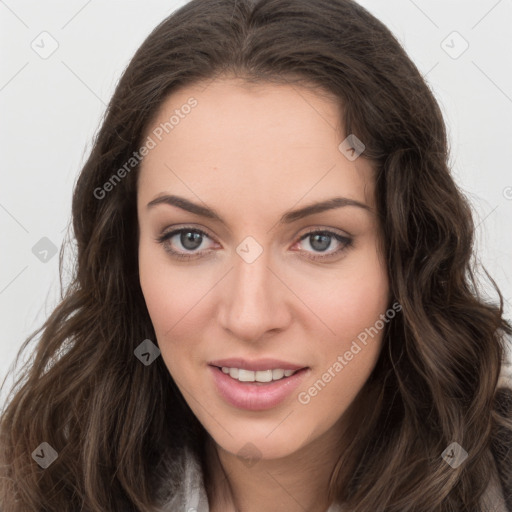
x,y
252,153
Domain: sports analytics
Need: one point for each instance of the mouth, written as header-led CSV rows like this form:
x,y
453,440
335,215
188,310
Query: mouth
x,y
256,390
259,376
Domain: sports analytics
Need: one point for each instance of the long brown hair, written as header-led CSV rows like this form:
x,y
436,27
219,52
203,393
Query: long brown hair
x,y
116,424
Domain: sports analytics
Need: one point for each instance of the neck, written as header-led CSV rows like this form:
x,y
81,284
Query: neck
x,y
297,482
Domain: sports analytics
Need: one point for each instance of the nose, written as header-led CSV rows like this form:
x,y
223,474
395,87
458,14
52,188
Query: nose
x,y
254,299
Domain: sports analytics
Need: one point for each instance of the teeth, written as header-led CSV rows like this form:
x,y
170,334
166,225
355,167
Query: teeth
x,y
263,376
244,375
278,374
257,376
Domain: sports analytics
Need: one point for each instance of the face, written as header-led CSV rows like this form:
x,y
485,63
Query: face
x,y
239,281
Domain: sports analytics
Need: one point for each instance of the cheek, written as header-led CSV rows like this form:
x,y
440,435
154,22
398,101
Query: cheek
x,y
359,303
167,295
168,291
352,300
177,303
165,313
355,312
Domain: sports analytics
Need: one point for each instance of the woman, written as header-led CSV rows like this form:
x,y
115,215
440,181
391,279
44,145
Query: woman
x,y
273,306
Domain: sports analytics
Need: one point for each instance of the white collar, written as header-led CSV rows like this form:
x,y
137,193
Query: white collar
x,y
192,493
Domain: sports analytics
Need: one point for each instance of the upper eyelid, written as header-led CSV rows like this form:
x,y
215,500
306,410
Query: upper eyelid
x,y
338,235
309,230
176,229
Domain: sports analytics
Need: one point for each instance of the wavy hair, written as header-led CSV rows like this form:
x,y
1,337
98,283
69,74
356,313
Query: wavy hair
x,y
117,424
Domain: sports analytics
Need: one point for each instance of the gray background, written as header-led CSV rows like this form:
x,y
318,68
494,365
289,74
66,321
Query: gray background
x,y
50,109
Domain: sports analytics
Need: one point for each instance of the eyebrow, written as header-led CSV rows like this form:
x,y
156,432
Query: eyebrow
x,y
287,218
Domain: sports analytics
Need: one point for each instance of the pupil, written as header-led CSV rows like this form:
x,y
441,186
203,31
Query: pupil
x,y
193,237
322,246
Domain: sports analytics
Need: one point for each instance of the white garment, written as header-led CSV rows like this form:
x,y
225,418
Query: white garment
x,y
192,494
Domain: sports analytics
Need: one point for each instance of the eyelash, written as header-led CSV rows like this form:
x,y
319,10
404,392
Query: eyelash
x,y
345,241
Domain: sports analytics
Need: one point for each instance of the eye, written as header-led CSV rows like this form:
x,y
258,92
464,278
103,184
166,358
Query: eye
x,y
191,240
321,241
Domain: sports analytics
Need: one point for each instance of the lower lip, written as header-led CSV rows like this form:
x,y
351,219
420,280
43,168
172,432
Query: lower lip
x,y
254,396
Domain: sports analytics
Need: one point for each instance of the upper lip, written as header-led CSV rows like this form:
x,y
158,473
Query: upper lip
x,y
255,365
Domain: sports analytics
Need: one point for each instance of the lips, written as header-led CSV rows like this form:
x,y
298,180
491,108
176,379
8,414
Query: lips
x,y
256,365
256,396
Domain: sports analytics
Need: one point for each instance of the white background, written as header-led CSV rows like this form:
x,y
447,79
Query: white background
x,y
50,109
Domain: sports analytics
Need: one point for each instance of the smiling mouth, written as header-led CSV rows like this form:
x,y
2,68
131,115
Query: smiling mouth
x,y
247,392
258,376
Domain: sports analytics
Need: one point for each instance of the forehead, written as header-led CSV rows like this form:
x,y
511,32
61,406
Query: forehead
x,y
228,139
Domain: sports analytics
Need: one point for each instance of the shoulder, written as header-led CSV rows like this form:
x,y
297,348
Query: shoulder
x,y
493,498
505,380
499,491
189,493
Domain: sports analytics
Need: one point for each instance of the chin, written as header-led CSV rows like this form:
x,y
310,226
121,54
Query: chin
x,y
253,444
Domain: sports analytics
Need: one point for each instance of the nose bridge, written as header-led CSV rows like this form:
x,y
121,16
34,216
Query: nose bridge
x,y
253,301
